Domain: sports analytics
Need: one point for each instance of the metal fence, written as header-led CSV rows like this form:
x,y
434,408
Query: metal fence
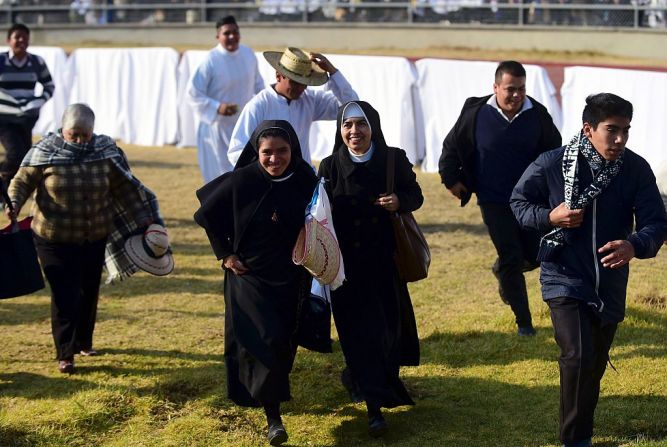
x,y
577,13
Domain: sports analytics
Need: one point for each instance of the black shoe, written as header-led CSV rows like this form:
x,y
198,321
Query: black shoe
x,y
66,366
377,426
526,331
277,434
585,443
351,386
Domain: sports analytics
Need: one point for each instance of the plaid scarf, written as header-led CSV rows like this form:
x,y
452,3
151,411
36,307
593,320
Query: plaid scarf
x,y
54,150
604,172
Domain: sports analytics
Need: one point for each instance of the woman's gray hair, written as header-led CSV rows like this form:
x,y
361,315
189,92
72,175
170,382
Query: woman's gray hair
x,y
80,116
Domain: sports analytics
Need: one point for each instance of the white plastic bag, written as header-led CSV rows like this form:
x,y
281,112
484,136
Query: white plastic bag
x,y
320,209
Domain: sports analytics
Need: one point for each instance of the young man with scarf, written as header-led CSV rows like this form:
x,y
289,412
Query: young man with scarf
x,y
493,141
586,196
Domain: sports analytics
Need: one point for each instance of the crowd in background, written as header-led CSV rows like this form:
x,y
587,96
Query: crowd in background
x,y
621,13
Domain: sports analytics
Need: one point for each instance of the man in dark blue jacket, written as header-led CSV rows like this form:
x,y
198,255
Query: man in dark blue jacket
x,y
586,196
493,141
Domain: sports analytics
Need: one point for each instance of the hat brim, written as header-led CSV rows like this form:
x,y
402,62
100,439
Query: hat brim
x,y
317,75
161,266
317,250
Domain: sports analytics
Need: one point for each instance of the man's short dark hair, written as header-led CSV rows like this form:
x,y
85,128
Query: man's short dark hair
x,y
601,106
513,68
17,27
227,20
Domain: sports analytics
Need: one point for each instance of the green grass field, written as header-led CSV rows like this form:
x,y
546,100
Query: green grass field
x,y
160,378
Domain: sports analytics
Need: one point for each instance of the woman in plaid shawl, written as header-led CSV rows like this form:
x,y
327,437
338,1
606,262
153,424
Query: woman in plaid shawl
x,y
86,199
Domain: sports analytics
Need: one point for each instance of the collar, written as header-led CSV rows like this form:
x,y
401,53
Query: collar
x,y
527,105
281,179
17,62
223,50
272,87
376,164
363,158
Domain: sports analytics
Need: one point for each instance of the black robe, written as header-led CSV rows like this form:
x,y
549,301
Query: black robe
x,y
372,310
246,213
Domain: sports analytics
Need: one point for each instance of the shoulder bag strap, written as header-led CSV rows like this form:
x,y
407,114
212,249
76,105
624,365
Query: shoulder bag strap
x,y
8,204
391,161
5,195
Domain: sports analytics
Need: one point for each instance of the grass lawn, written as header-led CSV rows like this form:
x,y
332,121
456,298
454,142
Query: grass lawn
x,y
160,378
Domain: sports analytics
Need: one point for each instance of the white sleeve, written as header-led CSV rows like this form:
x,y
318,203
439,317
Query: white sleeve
x,y
259,81
661,181
245,126
206,107
337,91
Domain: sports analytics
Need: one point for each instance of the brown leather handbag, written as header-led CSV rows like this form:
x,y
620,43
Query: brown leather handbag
x,y
412,256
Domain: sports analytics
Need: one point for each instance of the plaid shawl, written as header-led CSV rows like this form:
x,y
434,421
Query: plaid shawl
x,y
54,150
604,172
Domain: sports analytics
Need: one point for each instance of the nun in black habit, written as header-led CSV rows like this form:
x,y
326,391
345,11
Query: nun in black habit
x,y
252,217
372,309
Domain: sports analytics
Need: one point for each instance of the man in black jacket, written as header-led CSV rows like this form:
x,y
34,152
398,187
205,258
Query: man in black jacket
x,y
600,206
493,141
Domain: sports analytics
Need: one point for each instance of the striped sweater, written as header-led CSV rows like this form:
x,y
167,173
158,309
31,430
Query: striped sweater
x,y
17,85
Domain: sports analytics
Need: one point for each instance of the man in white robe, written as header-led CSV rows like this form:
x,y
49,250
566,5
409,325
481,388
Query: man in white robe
x,y
289,99
218,90
661,180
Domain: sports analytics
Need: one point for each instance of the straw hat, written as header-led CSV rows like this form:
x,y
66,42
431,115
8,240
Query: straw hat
x,y
150,251
317,250
296,65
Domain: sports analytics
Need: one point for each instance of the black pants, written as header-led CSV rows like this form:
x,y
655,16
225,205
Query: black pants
x,y
16,138
584,345
73,272
517,251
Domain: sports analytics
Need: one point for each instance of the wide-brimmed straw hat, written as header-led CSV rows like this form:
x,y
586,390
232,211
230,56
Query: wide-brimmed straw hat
x,y
317,250
150,251
295,64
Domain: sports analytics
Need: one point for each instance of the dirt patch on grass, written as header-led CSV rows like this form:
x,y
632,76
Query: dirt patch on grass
x,y
653,301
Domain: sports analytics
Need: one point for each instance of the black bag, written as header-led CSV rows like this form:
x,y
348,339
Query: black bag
x,y
19,269
313,330
412,256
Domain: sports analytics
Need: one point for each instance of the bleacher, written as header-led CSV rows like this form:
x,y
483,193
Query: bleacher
x,y
568,13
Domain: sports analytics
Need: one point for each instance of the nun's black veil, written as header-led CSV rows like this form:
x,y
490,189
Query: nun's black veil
x,y
249,154
248,182
373,117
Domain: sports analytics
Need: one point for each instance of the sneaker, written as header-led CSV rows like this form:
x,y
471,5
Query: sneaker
x,y
66,366
277,434
377,426
583,443
88,352
526,331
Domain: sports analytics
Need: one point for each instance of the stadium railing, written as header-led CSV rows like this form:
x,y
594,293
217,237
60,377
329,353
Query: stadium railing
x,y
569,13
